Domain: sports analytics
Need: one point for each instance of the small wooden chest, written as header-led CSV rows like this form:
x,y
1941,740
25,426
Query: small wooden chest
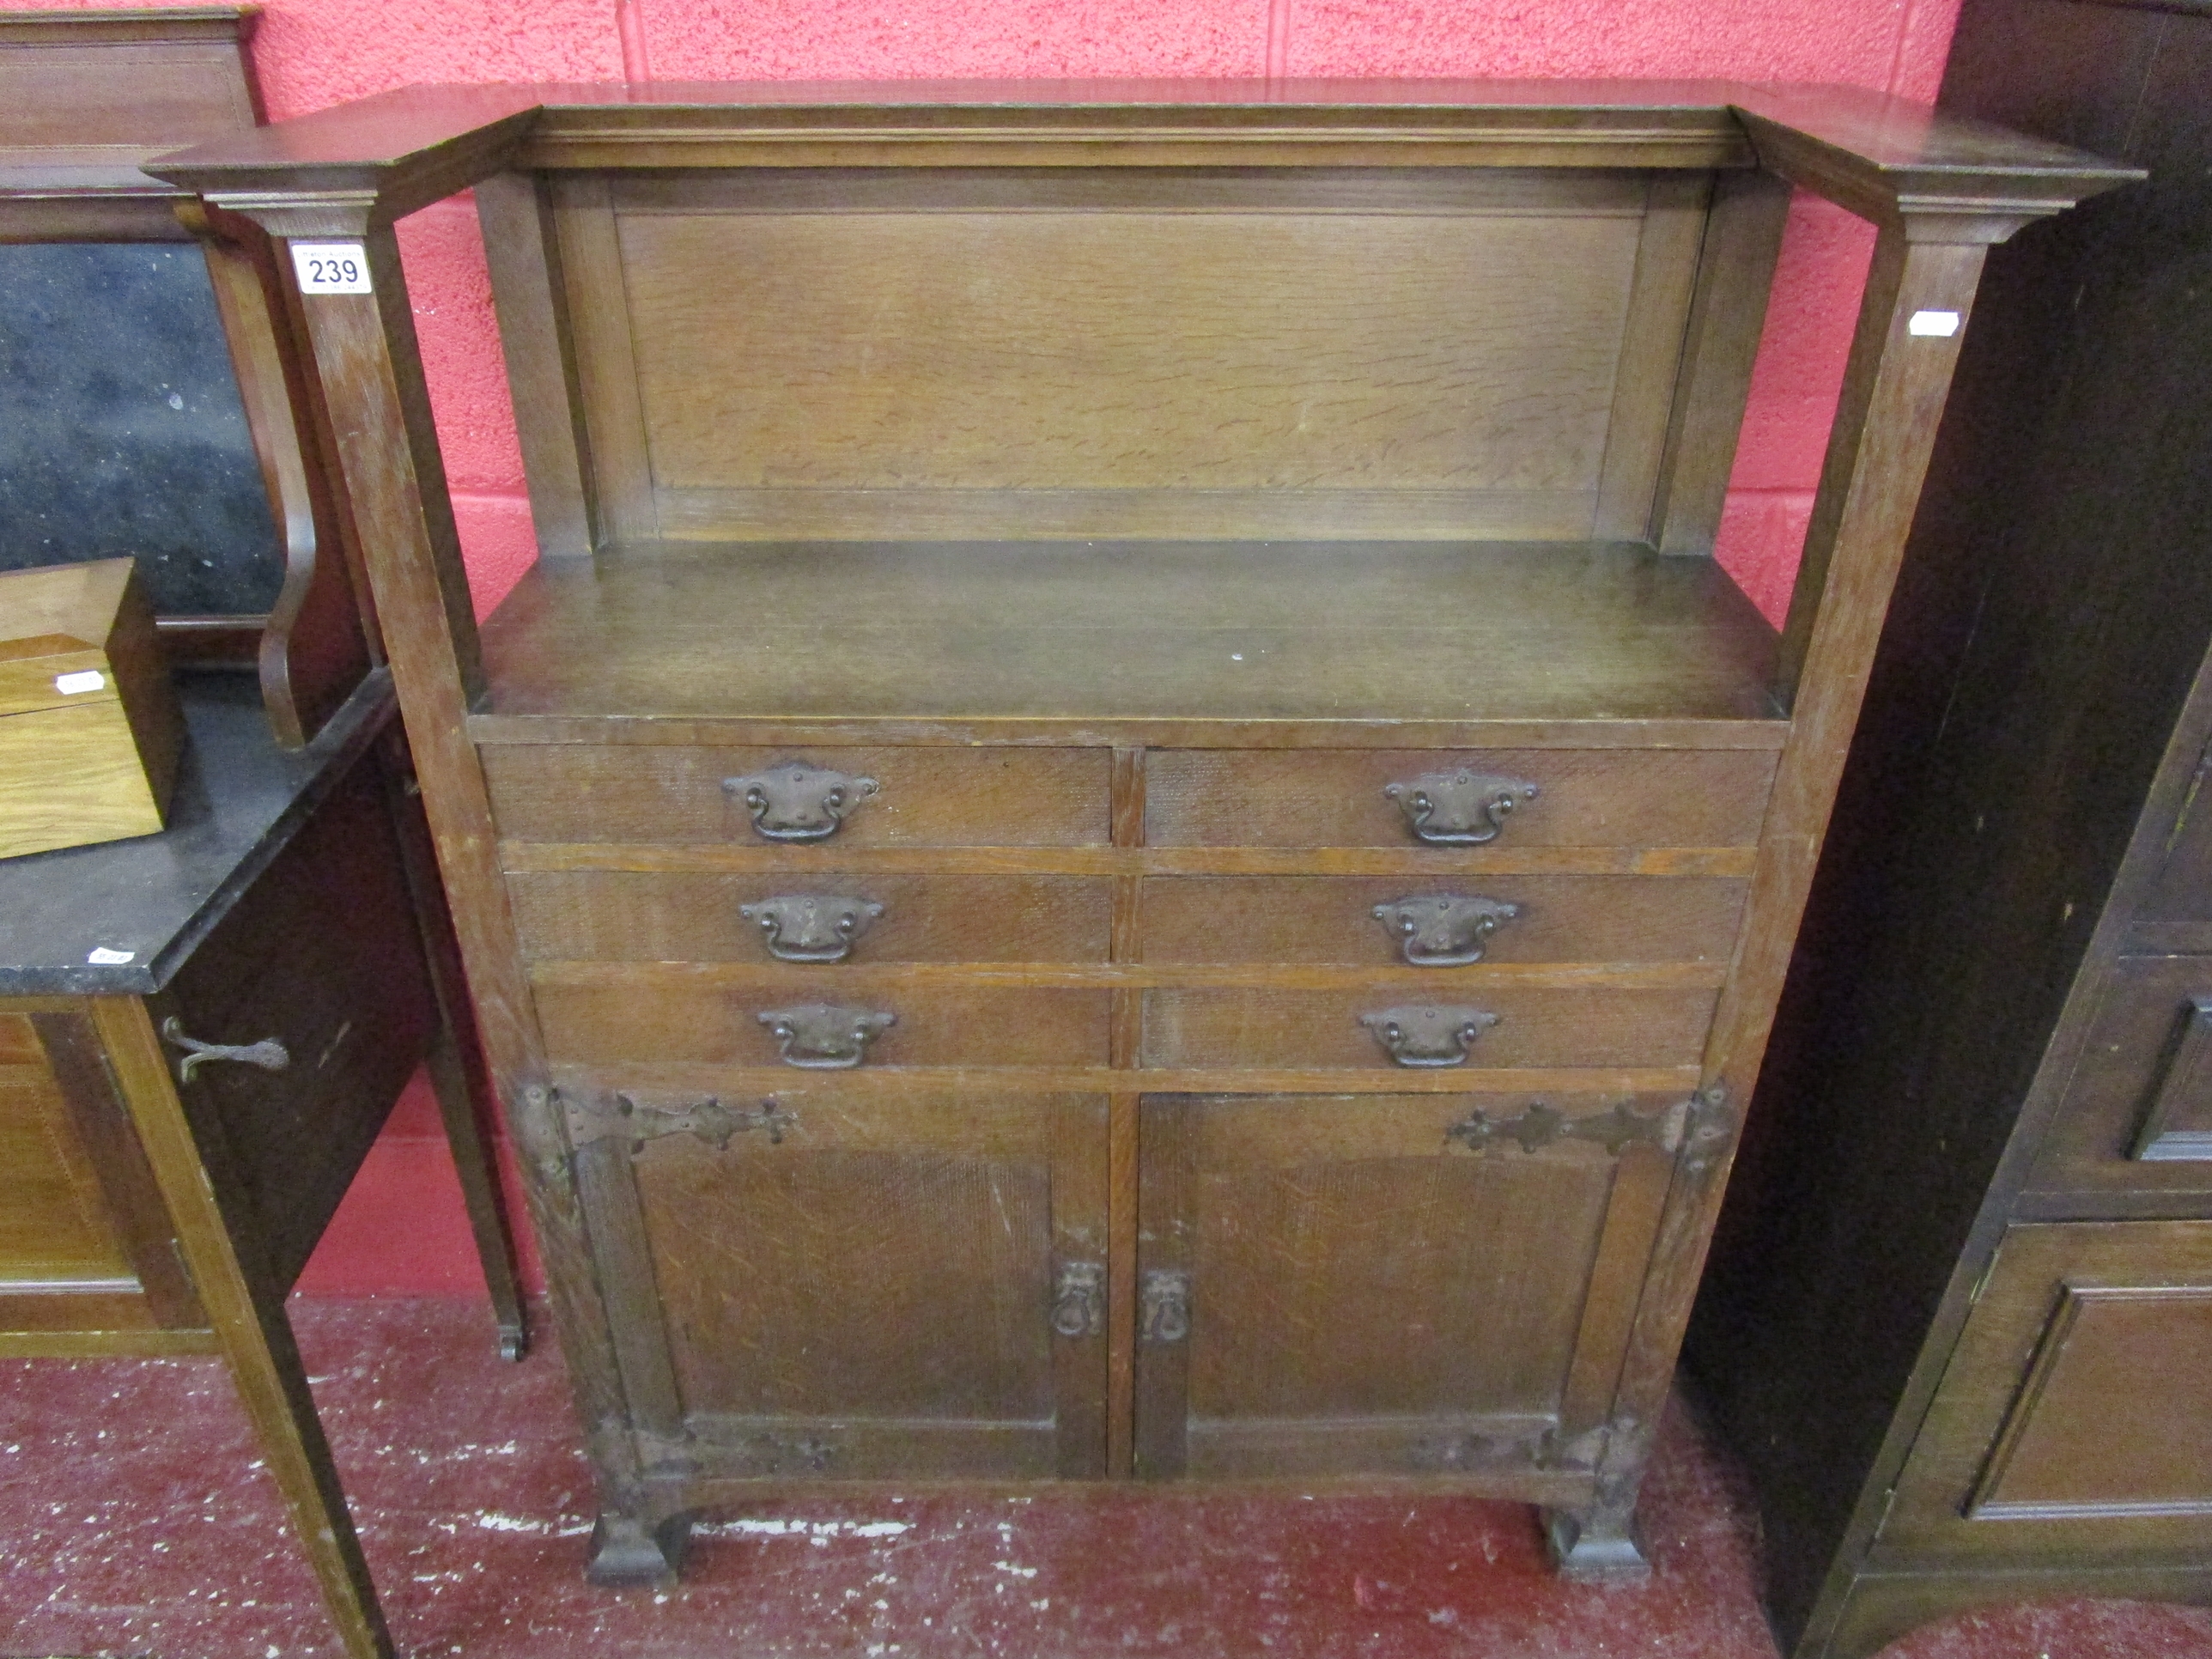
x,y
89,731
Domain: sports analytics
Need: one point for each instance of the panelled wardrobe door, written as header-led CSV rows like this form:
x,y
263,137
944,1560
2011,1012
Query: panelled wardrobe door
x,y
833,1282
1410,1284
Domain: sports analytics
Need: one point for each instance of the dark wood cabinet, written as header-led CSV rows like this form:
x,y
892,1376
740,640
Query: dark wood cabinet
x,y
1126,830
1956,1318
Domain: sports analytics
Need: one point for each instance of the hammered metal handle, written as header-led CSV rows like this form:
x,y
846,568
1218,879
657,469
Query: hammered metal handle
x,y
1428,1034
1459,809
799,802
1078,1299
811,926
1443,930
268,1055
1165,1312
822,1037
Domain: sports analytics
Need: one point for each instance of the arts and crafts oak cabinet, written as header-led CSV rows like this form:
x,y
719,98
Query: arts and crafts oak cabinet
x,y
1127,829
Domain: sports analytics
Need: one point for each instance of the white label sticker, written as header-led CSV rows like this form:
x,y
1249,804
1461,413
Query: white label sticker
x,y
104,957
70,685
331,267
1940,325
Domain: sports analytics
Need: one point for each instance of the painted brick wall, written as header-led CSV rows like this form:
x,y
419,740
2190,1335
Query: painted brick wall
x,y
401,1230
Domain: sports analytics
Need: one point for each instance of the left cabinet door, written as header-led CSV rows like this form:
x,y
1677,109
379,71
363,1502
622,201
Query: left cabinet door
x,y
835,1282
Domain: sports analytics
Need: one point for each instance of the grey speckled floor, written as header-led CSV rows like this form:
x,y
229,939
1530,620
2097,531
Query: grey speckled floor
x,y
135,1520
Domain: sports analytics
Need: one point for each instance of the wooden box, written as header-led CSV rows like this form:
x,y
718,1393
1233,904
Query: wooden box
x,y
89,731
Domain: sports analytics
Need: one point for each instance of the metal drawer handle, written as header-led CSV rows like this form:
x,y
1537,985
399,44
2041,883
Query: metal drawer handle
x,y
268,1055
1165,1312
811,926
1428,1034
1078,1299
798,802
1459,809
1443,930
821,1036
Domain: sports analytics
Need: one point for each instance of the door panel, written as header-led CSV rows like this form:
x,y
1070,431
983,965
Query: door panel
x,y
864,1288
1370,1285
2073,1420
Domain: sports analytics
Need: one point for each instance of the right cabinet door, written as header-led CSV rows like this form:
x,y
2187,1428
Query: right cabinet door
x,y
2073,1418
1410,1285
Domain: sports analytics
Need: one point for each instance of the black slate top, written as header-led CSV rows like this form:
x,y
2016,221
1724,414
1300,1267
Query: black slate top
x,y
238,800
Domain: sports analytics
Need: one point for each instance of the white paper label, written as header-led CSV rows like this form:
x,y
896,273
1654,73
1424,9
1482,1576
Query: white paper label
x,y
104,957
1940,325
331,267
70,685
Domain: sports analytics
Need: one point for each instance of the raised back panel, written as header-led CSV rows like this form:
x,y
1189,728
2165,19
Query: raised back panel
x,y
1294,353
146,82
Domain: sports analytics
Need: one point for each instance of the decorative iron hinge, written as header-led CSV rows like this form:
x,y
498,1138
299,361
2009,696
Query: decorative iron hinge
x,y
619,1117
1708,1129
1539,1125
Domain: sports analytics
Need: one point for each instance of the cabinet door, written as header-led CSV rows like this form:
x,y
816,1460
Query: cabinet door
x,y
2073,1420
1417,1285
830,1284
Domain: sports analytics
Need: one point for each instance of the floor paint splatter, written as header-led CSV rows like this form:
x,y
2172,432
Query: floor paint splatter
x,y
135,1520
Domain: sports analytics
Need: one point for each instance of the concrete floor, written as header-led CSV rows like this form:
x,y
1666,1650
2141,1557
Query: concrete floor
x,y
135,1520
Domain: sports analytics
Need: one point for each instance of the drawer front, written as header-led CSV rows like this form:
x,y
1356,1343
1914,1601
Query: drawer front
x,y
667,794
1277,1030
54,1222
1320,919
610,916
600,1024
1337,797
2137,1114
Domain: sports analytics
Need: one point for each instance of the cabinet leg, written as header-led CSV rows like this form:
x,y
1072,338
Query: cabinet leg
x,y
488,1219
458,1075
1596,1544
628,1549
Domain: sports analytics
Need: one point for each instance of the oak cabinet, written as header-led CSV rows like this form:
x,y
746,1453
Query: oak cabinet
x,y
1126,830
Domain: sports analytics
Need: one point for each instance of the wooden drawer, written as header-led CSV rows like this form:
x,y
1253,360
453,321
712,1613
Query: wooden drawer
x,y
1321,919
54,1221
1277,1030
2137,1114
626,1019
625,916
1335,798
672,792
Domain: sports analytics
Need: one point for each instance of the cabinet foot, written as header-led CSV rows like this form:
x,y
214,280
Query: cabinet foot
x,y
627,1550
1596,1546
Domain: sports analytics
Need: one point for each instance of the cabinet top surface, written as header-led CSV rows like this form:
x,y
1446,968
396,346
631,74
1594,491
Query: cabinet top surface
x,y
239,800
1130,630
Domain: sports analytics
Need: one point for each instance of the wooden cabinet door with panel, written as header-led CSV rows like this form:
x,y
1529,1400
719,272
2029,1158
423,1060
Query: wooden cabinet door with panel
x,y
1407,1285
825,1283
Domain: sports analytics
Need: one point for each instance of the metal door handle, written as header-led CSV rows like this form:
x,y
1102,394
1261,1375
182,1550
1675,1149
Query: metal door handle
x,y
268,1055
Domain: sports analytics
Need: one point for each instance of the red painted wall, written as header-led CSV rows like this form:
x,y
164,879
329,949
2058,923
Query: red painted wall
x,y
401,1230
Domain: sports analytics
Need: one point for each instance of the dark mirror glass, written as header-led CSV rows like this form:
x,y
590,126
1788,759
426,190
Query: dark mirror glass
x,y
121,428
